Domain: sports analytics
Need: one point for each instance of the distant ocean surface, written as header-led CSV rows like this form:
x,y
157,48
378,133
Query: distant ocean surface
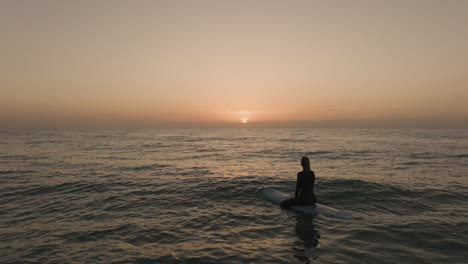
x,y
194,196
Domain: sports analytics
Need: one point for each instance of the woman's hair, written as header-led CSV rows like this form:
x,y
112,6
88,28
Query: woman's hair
x,y
305,163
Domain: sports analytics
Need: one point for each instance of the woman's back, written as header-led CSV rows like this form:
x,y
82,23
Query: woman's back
x,y
304,187
306,182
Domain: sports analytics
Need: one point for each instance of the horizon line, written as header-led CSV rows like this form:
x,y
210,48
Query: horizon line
x,y
351,123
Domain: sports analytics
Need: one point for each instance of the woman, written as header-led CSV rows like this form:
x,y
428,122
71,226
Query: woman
x,y
304,187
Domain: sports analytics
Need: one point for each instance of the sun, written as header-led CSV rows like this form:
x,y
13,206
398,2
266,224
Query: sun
x,y
244,121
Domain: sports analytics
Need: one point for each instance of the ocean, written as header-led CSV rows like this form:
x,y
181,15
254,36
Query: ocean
x,y
194,196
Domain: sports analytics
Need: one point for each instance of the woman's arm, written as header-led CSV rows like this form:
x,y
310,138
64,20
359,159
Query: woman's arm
x,y
298,185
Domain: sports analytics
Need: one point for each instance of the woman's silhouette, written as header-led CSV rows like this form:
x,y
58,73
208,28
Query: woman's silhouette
x,y
304,187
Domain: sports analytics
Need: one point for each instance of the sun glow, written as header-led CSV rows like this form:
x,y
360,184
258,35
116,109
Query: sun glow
x,y
244,121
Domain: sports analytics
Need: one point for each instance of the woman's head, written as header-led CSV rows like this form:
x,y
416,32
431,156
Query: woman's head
x,y
305,163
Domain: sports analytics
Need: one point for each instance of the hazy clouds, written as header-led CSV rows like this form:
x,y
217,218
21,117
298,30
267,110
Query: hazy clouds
x,y
139,63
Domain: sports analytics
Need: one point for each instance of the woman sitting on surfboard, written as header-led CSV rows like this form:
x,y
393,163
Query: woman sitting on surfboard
x,y
304,187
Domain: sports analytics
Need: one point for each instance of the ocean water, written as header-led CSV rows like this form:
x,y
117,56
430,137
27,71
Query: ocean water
x,y
194,196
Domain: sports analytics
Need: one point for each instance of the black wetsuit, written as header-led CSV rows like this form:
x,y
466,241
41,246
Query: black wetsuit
x,y
304,190
305,186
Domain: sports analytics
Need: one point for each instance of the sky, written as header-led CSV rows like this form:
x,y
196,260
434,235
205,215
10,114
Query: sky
x,y
201,63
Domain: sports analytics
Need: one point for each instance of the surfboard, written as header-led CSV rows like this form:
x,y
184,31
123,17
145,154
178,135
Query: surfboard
x,y
277,197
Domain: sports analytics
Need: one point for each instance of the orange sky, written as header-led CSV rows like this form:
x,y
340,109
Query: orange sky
x,y
85,63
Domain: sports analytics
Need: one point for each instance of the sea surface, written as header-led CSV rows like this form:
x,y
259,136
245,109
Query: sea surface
x,y
194,196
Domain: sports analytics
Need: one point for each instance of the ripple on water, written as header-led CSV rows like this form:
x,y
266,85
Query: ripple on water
x,y
193,196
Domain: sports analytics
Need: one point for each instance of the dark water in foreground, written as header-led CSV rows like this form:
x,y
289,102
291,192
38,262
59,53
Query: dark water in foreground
x,y
194,196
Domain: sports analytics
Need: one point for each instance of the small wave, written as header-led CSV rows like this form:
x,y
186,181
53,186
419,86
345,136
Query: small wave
x,y
116,158
208,150
68,187
369,196
40,142
208,155
215,139
245,138
294,140
412,163
16,172
426,155
321,152
365,152
145,167
101,136
460,156
93,235
151,235
16,157
184,139
155,145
